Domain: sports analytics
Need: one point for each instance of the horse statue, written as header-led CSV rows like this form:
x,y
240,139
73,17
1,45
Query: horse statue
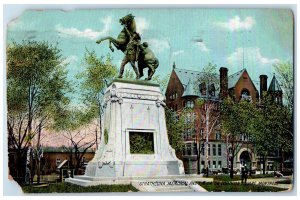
x,y
145,57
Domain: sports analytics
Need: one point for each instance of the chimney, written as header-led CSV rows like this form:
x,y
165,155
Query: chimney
x,y
223,82
263,85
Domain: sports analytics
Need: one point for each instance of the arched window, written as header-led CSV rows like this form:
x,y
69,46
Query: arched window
x,y
189,104
245,94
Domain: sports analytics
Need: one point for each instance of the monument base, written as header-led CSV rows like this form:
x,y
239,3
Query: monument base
x,y
134,139
179,183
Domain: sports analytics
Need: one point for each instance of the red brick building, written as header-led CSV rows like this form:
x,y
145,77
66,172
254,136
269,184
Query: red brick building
x,y
185,87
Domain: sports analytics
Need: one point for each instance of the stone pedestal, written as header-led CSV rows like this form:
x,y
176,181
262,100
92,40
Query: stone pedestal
x,y
133,107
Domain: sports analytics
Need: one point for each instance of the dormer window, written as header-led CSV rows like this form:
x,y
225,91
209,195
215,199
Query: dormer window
x,y
202,88
212,90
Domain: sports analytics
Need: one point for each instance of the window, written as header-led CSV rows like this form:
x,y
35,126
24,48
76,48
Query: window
x,y
218,136
189,104
190,118
188,133
219,164
214,150
245,94
173,96
202,88
201,133
230,150
212,90
188,149
214,164
203,151
57,161
219,150
209,149
194,149
202,163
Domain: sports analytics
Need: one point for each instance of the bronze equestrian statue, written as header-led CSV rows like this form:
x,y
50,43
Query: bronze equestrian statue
x,y
128,41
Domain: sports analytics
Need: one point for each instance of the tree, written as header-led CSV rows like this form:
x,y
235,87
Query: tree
x,y
176,126
237,122
273,129
209,114
97,75
163,82
286,79
36,89
75,126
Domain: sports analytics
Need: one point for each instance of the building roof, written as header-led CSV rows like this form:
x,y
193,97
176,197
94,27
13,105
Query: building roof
x,y
189,80
189,90
234,78
187,75
274,85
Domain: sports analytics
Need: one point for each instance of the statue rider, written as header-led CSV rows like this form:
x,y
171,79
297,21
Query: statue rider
x,y
131,53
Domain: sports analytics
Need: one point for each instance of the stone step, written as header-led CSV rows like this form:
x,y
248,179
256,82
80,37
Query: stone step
x,y
177,190
148,185
171,177
173,188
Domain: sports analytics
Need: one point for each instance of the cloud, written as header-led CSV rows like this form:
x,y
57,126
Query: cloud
x,y
141,24
251,55
158,45
176,53
70,60
86,33
202,46
236,24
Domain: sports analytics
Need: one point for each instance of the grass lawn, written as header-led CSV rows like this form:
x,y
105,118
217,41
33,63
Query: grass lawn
x,y
237,187
226,178
71,188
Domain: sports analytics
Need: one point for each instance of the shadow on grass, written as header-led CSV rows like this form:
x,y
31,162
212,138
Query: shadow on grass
x,y
71,188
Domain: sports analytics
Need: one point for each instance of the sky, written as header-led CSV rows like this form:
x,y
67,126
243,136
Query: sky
x,y
254,39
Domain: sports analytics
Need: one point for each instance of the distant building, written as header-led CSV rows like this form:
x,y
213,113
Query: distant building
x,y
185,88
51,158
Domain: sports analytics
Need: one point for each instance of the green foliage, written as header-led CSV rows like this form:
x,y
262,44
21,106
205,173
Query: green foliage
x,y
176,126
163,82
35,77
71,188
273,127
129,74
105,136
286,78
237,187
141,143
238,118
98,73
36,87
208,76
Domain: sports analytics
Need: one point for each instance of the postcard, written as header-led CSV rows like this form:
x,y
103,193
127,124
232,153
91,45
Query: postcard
x,y
188,100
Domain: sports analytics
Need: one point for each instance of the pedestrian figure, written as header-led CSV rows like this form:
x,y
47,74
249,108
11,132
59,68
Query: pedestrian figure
x,y
242,174
246,174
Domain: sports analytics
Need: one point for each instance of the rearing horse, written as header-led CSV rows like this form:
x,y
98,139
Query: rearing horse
x,y
146,58
123,38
